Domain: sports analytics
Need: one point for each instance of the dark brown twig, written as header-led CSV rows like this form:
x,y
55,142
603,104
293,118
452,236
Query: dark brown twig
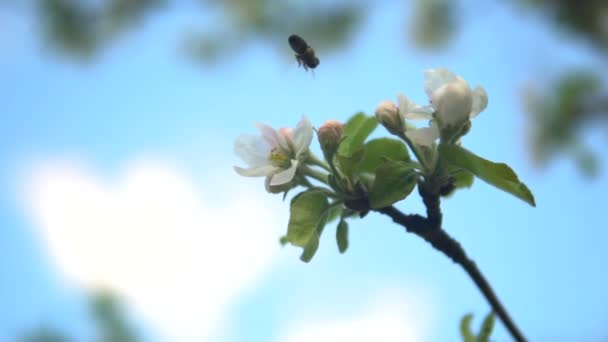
x,y
430,230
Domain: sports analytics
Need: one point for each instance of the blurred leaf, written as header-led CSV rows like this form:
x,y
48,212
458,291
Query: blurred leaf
x,y
586,19
433,23
111,323
356,130
499,175
379,150
559,116
80,29
342,236
394,181
44,334
70,26
465,328
308,215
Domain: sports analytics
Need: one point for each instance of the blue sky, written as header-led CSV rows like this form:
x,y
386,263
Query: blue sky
x,y
142,115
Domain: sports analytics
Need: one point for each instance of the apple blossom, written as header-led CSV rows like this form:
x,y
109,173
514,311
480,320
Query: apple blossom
x,y
275,154
452,98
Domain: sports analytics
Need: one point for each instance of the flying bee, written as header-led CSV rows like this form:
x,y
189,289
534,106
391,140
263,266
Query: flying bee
x,y
305,55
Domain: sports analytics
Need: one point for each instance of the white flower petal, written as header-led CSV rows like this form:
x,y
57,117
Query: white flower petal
x,y
285,138
453,102
412,111
480,101
286,175
268,133
436,78
423,136
302,136
253,149
259,171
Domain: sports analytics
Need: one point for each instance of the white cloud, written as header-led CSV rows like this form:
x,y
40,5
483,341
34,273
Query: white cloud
x,y
391,316
179,254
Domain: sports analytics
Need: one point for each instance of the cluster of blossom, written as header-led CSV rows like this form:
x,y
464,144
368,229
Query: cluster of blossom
x,y
278,154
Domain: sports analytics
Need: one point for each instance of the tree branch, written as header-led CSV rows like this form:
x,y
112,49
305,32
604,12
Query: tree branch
x,y
430,230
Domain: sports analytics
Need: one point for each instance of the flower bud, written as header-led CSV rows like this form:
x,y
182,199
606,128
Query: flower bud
x,y
453,103
330,134
387,114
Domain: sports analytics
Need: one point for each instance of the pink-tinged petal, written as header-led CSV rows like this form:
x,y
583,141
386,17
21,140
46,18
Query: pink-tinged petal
x,y
302,136
436,78
285,138
253,149
423,136
268,133
260,171
480,101
286,175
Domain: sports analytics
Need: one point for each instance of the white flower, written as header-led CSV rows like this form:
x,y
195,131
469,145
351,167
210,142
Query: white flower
x,y
276,153
451,97
424,136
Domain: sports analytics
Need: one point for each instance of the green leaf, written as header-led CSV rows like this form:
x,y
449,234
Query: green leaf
x,y
379,150
349,164
465,328
283,240
342,236
394,181
499,175
305,216
463,178
486,328
356,130
335,211
310,249
308,215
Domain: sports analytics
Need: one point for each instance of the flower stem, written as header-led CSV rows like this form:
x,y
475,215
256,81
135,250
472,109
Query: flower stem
x,y
318,175
415,150
318,162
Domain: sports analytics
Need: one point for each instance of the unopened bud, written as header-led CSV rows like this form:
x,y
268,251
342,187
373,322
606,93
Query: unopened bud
x,y
387,114
330,134
453,103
